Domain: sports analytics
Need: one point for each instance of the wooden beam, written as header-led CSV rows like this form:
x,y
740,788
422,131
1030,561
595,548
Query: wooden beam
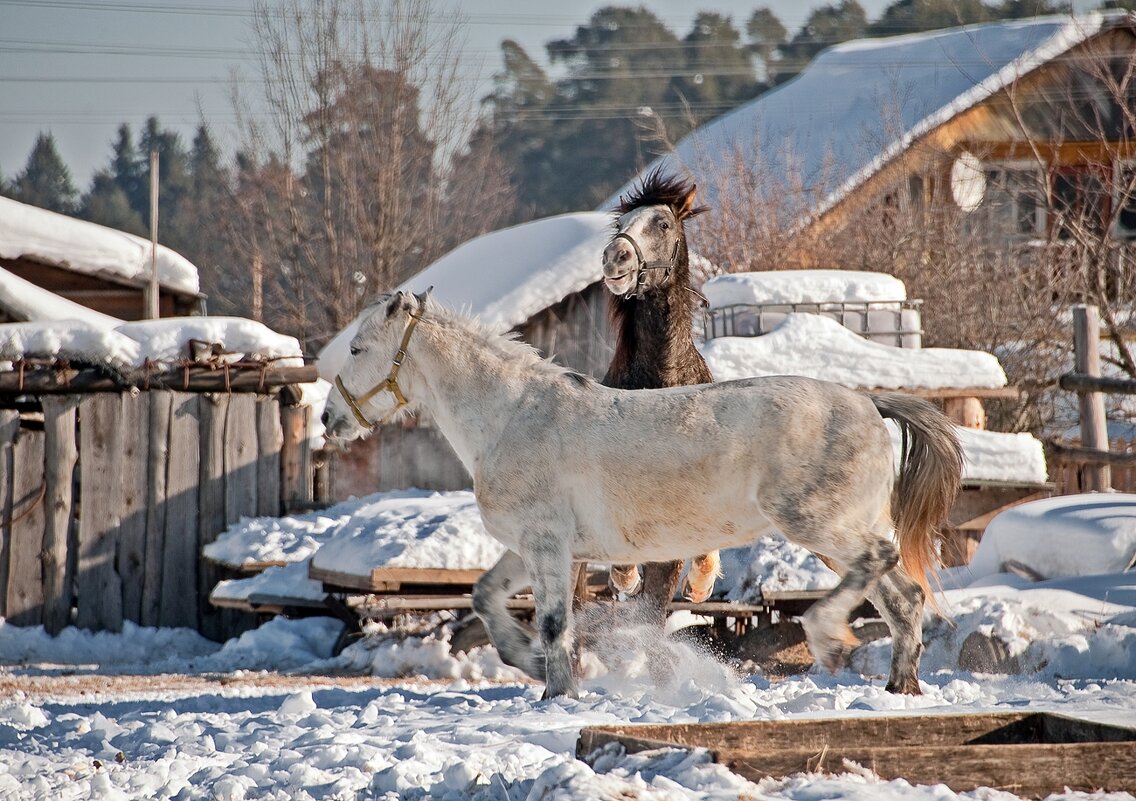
x,y
1084,383
1094,424
1073,453
54,381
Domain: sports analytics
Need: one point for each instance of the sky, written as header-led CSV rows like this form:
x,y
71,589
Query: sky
x,y
80,68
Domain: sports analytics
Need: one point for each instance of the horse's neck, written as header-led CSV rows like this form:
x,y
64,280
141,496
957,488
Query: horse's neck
x,y
470,390
654,347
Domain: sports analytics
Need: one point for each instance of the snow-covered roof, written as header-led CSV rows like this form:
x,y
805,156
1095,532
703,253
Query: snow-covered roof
x,y
56,239
860,104
819,347
507,276
25,301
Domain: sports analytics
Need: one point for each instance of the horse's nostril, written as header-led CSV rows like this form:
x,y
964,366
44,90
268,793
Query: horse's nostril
x,y
325,418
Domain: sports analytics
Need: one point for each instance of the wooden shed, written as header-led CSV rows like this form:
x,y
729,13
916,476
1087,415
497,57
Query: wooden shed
x,y
540,280
91,265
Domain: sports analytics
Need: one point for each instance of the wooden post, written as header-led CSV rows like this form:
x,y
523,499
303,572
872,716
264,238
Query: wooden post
x,y
157,462
60,455
178,604
134,516
269,441
1094,425
295,459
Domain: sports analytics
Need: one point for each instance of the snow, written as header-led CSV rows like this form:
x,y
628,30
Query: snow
x,y
279,581
820,347
130,345
258,717
802,286
997,456
861,104
507,276
56,239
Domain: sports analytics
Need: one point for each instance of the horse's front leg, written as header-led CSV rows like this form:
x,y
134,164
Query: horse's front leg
x,y
513,642
550,569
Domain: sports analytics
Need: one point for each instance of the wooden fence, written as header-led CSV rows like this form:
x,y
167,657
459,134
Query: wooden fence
x,y
107,498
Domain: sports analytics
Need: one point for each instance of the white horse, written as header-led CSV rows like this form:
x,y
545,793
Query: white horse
x,y
567,470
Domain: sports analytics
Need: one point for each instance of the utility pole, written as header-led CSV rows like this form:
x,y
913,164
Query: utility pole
x,y
152,305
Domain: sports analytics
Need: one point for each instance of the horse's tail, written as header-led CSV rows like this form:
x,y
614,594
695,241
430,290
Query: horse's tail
x,y
930,473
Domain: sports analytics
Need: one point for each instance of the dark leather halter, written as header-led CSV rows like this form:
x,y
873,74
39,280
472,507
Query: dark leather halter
x,y
642,265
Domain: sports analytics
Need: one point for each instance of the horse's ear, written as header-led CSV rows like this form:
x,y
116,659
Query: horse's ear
x,y
397,301
687,208
423,297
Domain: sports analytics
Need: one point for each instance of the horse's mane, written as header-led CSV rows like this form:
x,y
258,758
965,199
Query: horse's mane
x,y
657,189
508,346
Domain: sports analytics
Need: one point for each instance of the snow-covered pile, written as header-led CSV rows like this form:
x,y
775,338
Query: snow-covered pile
x,y
26,301
996,455
130,345
819,347
284,581
44,236
1062,536
802,286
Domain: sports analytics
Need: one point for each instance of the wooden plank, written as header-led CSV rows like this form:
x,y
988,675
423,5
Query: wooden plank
x,y
9,425
269,442
240,459
179,601
61,455
157,461
97,583
214,409
1026,770
24,602
1091,456
132,532
1029,754
380,579
51,380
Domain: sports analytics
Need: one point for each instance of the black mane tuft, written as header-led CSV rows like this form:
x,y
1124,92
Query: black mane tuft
x,y
657,189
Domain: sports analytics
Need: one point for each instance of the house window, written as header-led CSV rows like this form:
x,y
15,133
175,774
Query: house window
x,y
1081,201
1014,203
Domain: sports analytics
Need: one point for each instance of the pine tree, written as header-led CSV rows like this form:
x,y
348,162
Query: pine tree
x,y
45,181
106,204
719,71
127,171
767,37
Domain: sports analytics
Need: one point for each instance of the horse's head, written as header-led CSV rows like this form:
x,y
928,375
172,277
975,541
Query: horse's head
x,y
367,392
648,250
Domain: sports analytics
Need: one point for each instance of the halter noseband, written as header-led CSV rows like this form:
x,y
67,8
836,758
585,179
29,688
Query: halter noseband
x,y
643,265
390,383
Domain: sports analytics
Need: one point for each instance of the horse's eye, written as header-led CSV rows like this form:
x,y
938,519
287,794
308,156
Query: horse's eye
x,y
355,351
664,224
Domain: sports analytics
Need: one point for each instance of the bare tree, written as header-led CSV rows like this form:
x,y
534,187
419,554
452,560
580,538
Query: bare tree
x,y
355,171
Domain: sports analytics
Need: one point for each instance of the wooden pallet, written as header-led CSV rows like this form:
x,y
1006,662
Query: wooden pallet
x,y
1030,754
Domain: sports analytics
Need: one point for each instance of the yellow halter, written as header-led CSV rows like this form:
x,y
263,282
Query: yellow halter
x,y
389,383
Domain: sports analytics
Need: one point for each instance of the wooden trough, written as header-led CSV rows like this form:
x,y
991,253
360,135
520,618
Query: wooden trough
x,y
1026,753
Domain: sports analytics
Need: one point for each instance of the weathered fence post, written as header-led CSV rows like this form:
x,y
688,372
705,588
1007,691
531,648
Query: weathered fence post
x,y
1094,425
61,453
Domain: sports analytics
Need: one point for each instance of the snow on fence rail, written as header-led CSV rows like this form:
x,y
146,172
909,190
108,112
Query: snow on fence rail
x,y
108,496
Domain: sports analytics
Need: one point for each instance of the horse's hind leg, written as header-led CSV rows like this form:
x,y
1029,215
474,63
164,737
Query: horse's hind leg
x,y
900,600
552,575
826,622
513,642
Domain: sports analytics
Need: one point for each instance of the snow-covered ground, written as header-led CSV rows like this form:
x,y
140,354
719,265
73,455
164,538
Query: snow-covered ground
x,y
257,717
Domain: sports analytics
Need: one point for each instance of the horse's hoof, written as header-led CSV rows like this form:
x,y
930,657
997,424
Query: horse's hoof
x,y
908,686
832,653
568,692
624,583
696,596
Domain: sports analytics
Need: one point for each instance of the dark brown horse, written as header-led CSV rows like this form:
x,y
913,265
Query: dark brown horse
x,y
652,315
